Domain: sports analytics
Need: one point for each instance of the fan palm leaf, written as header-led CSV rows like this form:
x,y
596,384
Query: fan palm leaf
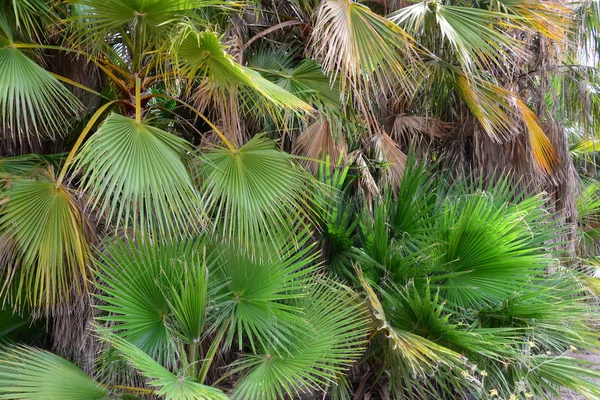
x,y
479,38
361,46
146,289
255,192
332,338
50,237
27,373
33,103
135,176
255,295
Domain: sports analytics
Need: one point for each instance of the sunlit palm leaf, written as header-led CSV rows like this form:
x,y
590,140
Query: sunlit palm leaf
x,y
255,192
332,338
31,374
169,385
136,177
50,236
255,295
478,37
33,103
551,18
201,54
544,153
489,103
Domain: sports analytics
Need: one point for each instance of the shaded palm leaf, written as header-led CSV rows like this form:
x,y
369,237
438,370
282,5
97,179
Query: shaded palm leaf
x,y
33,103
169,385
31,374
50,234
136,177
30,16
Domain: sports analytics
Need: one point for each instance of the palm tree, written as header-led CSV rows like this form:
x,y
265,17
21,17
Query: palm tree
x,y
172,212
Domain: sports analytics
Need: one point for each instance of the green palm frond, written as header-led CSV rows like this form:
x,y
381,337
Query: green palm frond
x,y
48,234
30,15
331,339
416,353
255,193
255,295
152,19
28,164
33,103
305,80
136,177
31,374
200,55
487,253
168,385
547,374
148,291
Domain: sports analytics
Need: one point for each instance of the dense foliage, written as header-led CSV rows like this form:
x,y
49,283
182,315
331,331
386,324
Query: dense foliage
x,y
211,199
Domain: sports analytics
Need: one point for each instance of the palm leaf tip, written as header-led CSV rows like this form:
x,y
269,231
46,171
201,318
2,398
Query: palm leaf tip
x,y
170,386
31,374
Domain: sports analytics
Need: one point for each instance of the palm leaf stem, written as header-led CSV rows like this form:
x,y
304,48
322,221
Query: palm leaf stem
x,y
210,355
229,145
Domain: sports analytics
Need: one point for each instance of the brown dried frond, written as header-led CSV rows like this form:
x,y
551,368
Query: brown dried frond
x,y
318,141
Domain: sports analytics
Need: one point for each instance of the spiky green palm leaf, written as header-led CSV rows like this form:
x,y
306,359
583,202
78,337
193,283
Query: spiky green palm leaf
x,y
331,339
154,293
45,237
27,373
168,385
256,295
136,177
487,253
33,103
256,193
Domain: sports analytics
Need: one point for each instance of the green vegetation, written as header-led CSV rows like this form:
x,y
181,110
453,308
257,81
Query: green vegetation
x,y
298,199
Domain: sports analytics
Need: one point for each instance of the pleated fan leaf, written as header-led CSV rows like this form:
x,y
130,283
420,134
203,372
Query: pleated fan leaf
x,y
136,177
48,234
33,103
27,373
